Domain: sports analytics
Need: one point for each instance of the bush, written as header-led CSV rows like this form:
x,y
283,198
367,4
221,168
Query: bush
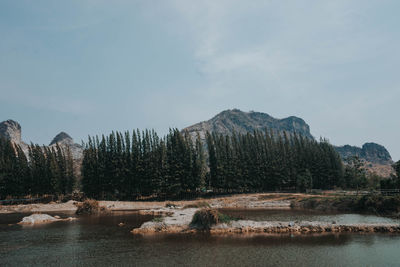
x,y
205,218
157,219
89,206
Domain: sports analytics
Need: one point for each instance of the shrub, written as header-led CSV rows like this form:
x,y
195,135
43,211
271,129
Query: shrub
x,y
89,206
157,219
205,218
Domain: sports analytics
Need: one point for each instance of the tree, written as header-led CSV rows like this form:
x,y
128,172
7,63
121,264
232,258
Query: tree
x,y
304,181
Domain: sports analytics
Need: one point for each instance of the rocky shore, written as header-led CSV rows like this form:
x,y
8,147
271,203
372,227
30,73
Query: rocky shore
x,y
178,221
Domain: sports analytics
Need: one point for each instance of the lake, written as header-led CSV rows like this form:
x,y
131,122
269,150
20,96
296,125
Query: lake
x,y
99,241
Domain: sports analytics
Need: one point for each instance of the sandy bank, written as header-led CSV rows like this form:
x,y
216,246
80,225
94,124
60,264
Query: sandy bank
x,y
271,200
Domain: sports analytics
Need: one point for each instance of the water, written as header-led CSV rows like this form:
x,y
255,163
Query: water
x,y
99,241
306,215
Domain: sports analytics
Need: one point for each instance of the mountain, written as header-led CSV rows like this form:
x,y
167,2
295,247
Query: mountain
x,y
370,152
235,120
64,140
376,158
12,130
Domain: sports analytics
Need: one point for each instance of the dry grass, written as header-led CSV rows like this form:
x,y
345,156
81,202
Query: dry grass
x,y
89,206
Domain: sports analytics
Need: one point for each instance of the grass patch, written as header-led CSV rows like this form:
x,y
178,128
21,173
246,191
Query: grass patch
x,y
157,219
200,204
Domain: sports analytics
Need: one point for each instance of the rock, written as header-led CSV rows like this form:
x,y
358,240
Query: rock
x,y
62,139
66,141
370,152
11,130
38,219
57,217
121,224
240,122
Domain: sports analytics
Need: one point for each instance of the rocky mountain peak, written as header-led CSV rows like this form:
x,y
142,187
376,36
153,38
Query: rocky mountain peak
x,y
235,120
11,130
370,152
62,138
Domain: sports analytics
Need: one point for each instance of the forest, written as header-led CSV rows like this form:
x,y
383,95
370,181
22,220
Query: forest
x,y
132,165
140,165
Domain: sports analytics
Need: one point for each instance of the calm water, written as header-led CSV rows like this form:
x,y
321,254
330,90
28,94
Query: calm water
x,y
305,215
98,241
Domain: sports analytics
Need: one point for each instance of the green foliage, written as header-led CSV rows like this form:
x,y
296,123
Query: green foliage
x,y
45,171
379,204
157,219
304,181
125,166
355,173
373,203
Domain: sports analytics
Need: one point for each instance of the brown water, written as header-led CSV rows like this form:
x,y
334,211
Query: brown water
x,y
98,241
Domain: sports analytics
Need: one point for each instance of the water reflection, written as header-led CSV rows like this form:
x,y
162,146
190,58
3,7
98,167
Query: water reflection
x,y
99,241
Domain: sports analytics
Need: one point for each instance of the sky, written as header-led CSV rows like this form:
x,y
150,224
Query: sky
x,y
88,67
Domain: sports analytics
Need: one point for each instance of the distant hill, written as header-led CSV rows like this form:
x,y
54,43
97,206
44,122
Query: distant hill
x,y
235,120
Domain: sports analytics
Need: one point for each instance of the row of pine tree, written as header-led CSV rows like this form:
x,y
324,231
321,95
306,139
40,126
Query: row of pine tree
x,y
141,164
128,166
125,166
45,170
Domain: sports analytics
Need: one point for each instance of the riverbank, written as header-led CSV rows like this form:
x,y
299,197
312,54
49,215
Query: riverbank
x,y
251,201
369,204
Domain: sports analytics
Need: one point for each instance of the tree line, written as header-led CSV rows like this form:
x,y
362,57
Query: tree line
x,y
45,170
132,165
129,166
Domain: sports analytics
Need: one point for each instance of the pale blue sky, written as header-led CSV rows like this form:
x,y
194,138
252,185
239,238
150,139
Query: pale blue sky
x,y
89,67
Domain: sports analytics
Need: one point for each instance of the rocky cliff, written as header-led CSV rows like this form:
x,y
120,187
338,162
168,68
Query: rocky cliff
x,y
370,152
12,130
235,120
